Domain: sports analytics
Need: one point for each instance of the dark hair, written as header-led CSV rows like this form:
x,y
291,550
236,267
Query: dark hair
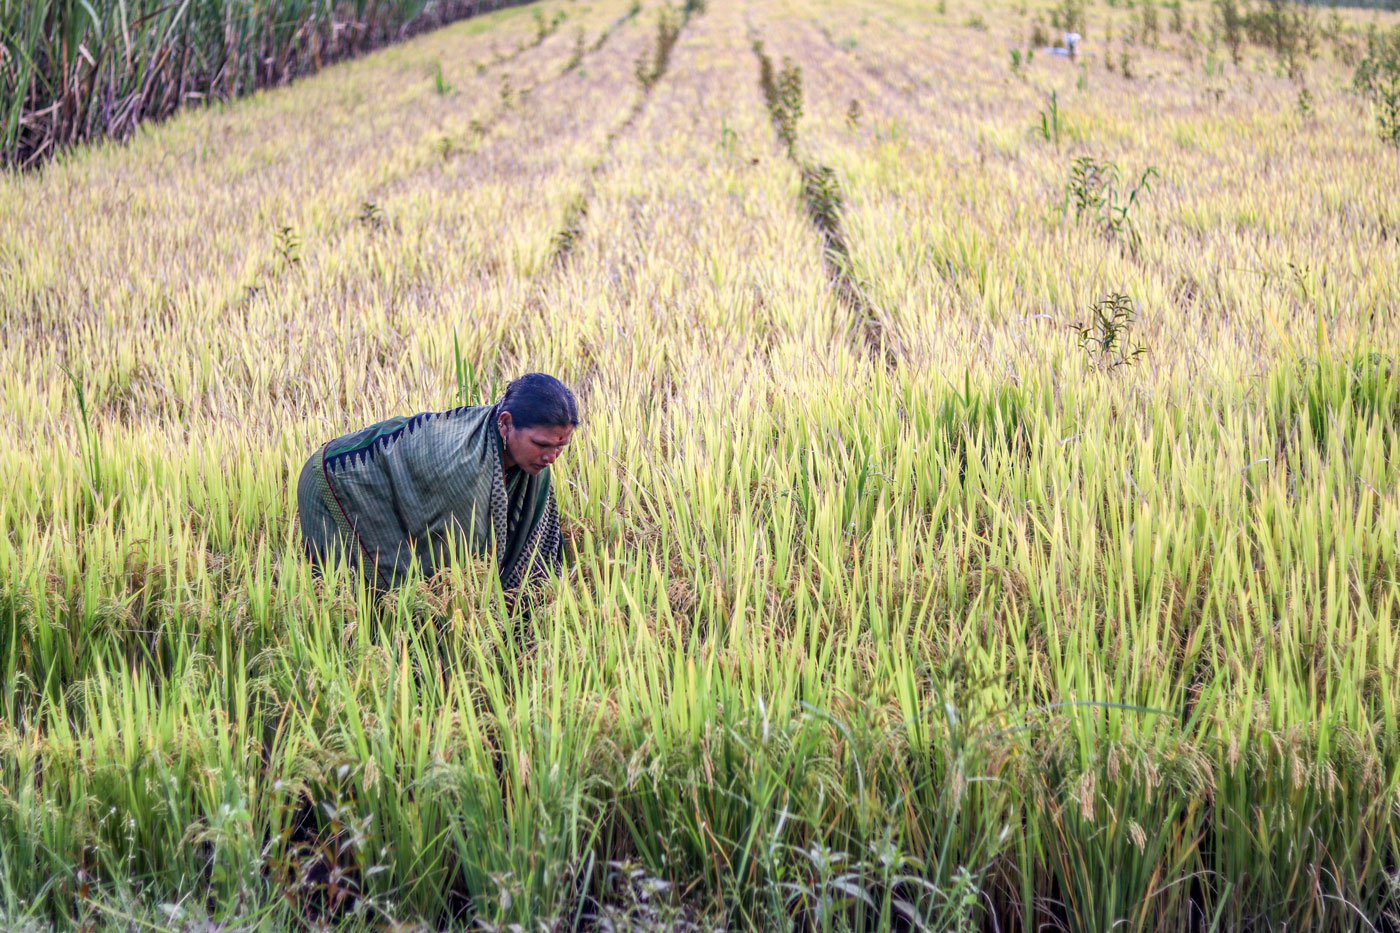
x,y
536,399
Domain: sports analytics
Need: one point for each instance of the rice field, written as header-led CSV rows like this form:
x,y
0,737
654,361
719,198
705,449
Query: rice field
x,y
985,514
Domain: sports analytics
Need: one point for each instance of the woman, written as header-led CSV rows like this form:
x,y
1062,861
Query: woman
x,y
398,491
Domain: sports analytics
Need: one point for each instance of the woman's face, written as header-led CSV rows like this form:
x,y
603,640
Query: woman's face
x,y
532,449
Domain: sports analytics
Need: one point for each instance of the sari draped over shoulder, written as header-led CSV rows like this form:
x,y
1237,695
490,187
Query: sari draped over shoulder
x,y
409,489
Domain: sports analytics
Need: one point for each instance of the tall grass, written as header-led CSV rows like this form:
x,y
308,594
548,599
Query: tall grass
x,y
74,70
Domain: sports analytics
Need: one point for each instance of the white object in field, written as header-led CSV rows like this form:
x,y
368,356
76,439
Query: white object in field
x,y
1069,50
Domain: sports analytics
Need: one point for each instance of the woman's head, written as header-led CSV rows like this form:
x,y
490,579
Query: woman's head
x,y
536,417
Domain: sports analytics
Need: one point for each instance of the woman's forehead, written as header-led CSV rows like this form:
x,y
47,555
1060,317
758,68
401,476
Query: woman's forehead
x,y
552,434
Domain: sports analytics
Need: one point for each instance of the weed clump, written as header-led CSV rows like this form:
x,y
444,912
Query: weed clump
x,y
1104,337
1231,22
544,28
371,215
649,70
783,93
824,201
1068,16
1150,23
1095,190
788,106
287,243
1287,28
1377,78
1305,103
580,49
766,82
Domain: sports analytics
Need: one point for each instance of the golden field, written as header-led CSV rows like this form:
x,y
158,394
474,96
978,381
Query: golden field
x,y
893,600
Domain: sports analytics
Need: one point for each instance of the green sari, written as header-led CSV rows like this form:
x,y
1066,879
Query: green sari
x,y
407,490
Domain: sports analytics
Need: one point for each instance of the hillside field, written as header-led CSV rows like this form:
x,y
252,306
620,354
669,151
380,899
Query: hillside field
x,y
986,512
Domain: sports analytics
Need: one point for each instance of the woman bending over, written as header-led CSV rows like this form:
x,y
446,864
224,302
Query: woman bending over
x,y
396,492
